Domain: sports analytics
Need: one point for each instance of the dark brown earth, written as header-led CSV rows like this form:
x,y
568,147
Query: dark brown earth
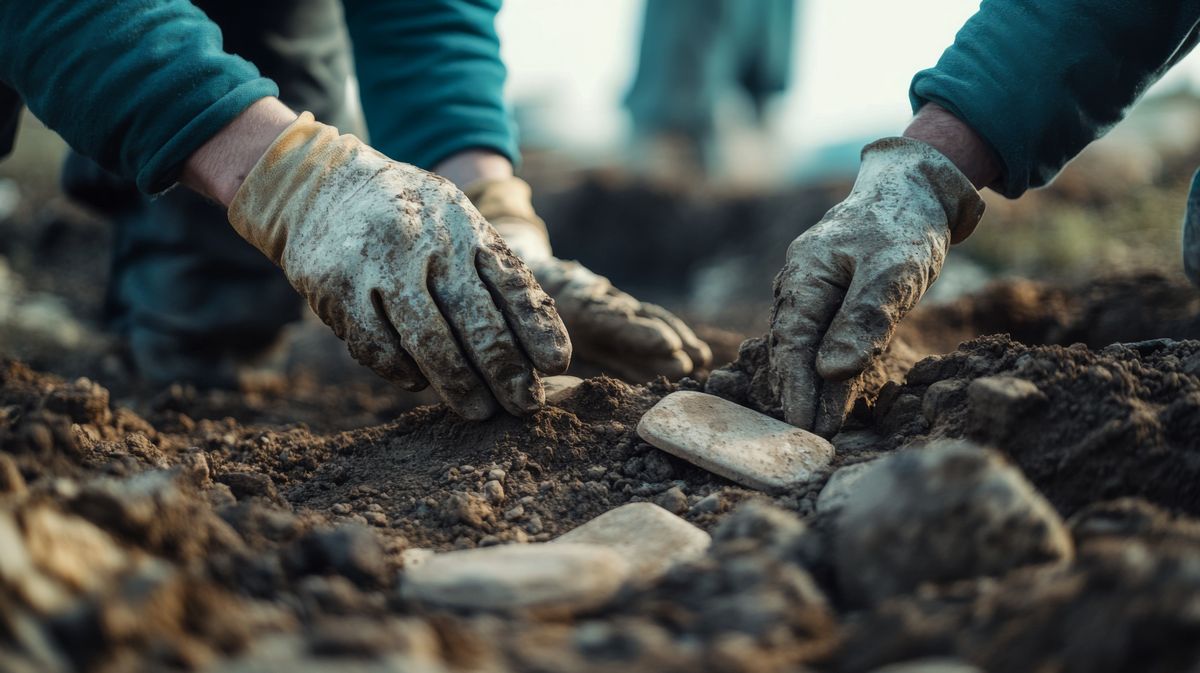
x,y
163,536
266,529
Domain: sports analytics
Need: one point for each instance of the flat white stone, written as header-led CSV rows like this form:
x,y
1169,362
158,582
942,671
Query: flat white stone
x,y
737,443
558,387
566,577
648,537
840,487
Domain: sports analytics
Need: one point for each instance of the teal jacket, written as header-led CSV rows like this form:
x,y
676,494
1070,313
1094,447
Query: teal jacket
x,y
1040,79
138,85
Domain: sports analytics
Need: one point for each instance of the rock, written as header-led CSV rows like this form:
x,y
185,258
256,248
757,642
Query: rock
x,y
840,487
740,444
493,491
648,537
930,666
997,404
349,550
415,556
72,550
249,485
466,508
562,577
673,500
194,466
11,481
496,474
559,388
709,504
946,512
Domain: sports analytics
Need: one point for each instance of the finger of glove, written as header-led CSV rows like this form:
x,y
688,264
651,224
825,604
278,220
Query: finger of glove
x,y
698,351
875,303
807,297
488,341
374,343
834,405
428,338
529,310
619,330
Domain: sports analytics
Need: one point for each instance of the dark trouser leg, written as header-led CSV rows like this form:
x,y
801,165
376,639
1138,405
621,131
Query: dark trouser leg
x,y
190,295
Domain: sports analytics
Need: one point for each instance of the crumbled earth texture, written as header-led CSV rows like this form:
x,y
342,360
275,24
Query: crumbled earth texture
x,y
1040,438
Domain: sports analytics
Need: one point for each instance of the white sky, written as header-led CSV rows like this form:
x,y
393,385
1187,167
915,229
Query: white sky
x,y
855,60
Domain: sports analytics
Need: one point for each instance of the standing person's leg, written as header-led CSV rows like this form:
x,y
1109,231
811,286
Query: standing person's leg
x,y
194,300
684,66
763,35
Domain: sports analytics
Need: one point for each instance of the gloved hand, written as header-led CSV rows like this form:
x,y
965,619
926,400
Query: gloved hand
x,y
851,278
404,269
636,340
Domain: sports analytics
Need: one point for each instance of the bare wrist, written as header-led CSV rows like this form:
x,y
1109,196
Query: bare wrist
x,y
219,167
951,136
473,165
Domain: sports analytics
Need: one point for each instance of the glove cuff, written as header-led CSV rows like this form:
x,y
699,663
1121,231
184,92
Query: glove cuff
x,y
955,193
507,204
283,189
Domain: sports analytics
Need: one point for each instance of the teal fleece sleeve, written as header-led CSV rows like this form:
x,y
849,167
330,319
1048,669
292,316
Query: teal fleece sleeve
x,y
1040,79
430,77
137,85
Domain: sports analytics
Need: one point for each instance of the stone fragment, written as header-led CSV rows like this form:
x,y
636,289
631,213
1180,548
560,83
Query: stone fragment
x,y
415,556
997,405
648,537
709,504
559,387
493,491
673,500
946,512
349,550
11,481
734,442
249,484
840,487
552,577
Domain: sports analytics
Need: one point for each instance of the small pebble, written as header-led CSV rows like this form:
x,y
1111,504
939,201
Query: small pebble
x,y
673,500
494,492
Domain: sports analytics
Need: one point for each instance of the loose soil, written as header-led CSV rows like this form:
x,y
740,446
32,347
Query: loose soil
x,y
158,535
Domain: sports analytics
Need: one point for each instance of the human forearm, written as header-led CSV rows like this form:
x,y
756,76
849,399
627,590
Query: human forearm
x,y
949,135
136,86
219,167
1040,79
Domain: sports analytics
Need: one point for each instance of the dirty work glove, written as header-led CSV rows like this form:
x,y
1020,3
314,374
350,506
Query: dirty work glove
x,y
850,279
404,269
635,340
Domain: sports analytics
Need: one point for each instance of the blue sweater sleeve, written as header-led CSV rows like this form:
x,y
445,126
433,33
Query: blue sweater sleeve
x,y
430,77
1040,79
137,85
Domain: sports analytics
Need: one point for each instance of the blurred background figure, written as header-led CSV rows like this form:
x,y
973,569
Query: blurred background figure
x,y
699,59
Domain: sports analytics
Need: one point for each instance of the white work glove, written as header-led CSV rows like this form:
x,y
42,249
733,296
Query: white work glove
x,y
850,279
609,328
404,269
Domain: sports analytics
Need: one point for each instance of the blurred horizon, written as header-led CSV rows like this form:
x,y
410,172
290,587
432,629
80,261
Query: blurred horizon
x,y
571,64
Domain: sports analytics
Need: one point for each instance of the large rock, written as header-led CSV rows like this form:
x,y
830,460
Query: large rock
x,y
946,512
648,537
841,487
554,577
737,443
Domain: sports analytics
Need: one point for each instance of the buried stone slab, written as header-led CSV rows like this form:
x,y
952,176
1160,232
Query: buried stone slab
x,y
559,387
734,442
648,537
564,577
946,512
